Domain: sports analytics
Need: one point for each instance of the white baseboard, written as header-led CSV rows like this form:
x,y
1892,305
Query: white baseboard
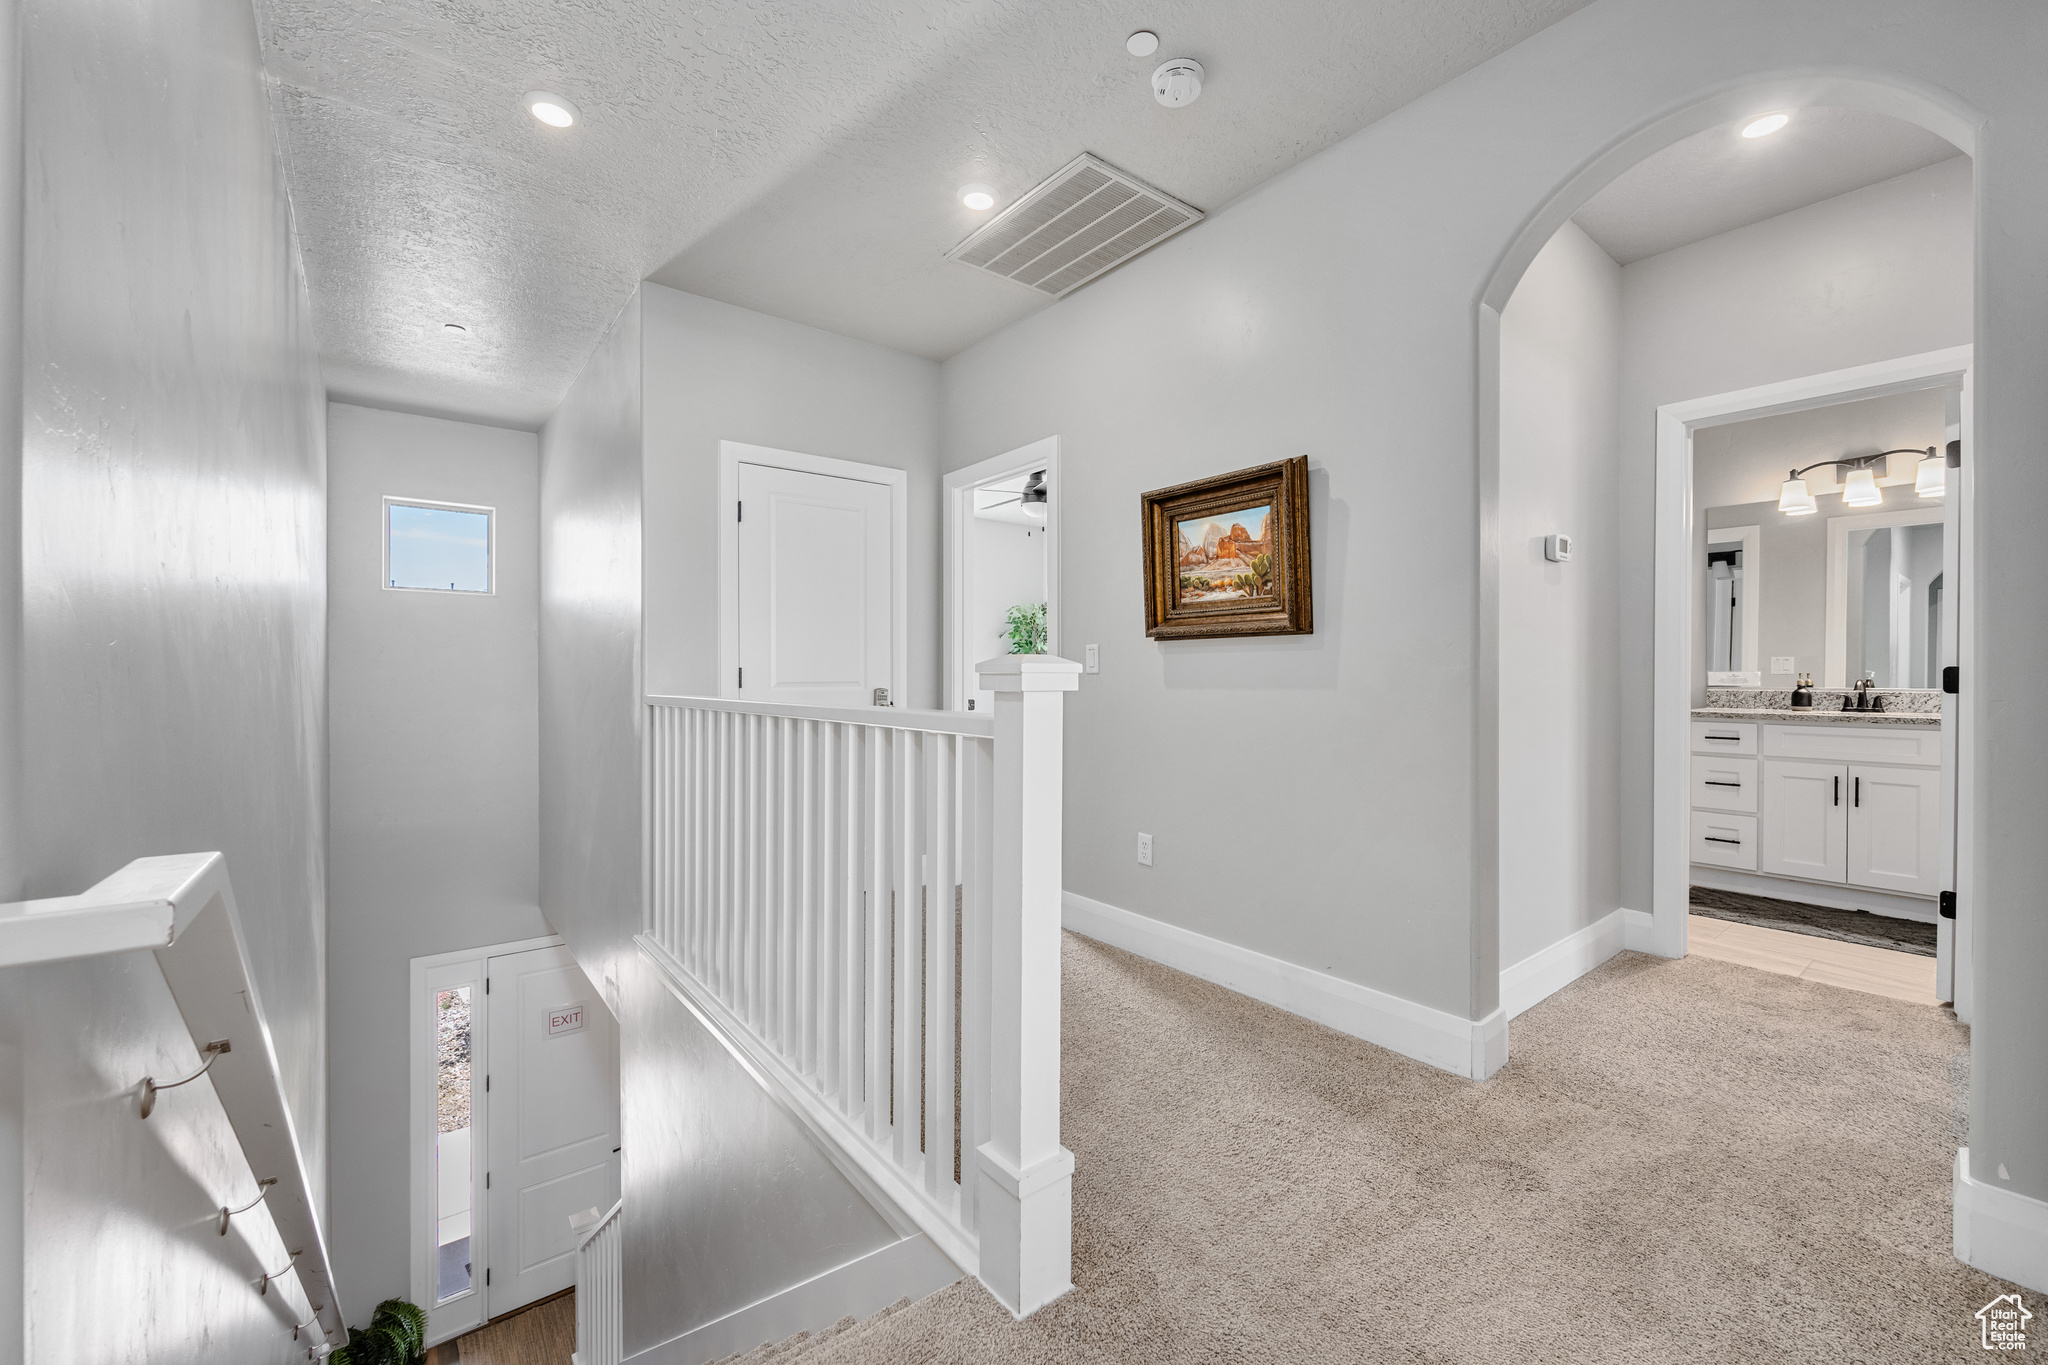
x,y
1638,931
2000,1232
1547,971
909,1269
1465,1047
1833,895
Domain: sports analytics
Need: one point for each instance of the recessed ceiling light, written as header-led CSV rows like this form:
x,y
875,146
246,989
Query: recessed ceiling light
x,y
978,196
1143,43
552,110
1768,124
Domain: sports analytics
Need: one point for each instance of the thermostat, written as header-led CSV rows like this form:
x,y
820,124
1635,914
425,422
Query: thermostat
x,y
1557,549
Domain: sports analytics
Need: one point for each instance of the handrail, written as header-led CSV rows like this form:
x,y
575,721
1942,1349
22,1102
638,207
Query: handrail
x,y
883,717
182,906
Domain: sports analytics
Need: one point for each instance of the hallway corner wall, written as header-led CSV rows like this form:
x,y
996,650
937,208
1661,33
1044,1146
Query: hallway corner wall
x,y
1560,769
590,656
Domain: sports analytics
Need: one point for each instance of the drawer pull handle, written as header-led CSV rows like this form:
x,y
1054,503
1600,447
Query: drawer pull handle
x,y
1712,840
1710,782
1732,739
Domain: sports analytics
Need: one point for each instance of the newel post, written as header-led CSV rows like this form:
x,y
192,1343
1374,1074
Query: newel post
x,y
1026,1201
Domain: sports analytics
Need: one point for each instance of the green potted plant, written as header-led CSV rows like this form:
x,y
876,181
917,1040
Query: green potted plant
x,y
1026,632
397,1335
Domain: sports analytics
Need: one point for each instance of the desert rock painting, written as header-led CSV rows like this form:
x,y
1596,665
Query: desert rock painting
x,y
1227,555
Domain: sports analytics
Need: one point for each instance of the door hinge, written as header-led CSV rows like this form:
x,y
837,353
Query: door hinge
x,y
1955,455
1948,905
881,696
1952,680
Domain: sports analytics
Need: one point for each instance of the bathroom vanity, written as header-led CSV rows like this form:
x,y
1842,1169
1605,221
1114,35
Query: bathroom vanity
x,y
1831,798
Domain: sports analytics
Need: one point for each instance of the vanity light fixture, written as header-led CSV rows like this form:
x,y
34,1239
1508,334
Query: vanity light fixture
x,y
1765,126
1860,488
1931,479
552,110
978,196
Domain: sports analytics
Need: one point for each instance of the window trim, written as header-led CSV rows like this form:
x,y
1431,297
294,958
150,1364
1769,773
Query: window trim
x,y
437,505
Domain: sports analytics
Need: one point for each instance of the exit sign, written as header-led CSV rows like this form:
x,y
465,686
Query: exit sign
x,y
565,1019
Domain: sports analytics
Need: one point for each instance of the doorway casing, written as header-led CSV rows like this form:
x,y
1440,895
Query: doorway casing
x,y
1672,640
959,511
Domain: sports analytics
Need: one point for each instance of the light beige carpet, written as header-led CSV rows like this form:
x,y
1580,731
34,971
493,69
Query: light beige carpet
x,y
1684,1160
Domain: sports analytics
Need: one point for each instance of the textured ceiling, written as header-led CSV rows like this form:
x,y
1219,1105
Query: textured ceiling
x,y
1719,180
795,158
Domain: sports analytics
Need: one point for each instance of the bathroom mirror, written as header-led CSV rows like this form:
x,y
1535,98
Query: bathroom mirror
x,y
1885,599
1846,589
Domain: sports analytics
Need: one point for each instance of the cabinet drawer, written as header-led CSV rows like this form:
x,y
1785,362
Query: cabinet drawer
x,y
1724,840
1833,744
1723,737
1724,783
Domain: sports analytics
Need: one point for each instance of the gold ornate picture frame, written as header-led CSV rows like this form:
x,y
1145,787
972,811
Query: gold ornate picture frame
x,y
1229,555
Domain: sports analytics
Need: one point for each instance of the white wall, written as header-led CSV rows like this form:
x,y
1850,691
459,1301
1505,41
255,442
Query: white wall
x,y
434,823
1559,757
174,573
590,655
1879,273
715,373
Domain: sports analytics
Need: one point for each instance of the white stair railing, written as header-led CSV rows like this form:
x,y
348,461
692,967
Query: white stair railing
x,y
600,1318
868,903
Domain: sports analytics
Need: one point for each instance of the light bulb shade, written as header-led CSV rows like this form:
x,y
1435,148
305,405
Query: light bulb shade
x,y
1932,479
1860,489
1794,500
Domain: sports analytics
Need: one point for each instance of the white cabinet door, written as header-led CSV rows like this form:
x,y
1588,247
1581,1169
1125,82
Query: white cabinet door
x,y
554,1121
1895,828
814,588
1805,822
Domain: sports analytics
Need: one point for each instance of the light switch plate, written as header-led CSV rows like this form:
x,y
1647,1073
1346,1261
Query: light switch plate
x,y
1093,663
1782,663
1145,850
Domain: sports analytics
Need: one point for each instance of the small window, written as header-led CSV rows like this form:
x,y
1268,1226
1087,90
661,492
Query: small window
x,y
437,546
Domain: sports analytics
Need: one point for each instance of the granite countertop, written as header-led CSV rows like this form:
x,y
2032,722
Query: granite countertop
x,y
1917,720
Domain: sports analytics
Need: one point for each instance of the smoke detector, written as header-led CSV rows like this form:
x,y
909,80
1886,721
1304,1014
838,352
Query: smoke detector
x,y
1178,83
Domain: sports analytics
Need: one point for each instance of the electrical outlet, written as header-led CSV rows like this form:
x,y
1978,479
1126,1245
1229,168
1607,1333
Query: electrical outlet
x,y
1782,663
1145,850
1094,660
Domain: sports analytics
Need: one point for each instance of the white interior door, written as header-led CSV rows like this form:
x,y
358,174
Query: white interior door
x,y
815,596
1805,824
1895,828
552,1090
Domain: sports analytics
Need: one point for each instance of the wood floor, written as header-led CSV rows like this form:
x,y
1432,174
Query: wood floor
x,y
1902,976
540,1334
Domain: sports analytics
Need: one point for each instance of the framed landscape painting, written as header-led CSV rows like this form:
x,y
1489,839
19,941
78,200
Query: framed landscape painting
x,y
1229,555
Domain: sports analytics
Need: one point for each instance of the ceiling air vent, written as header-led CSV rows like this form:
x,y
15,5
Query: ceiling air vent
x,y
1087,218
